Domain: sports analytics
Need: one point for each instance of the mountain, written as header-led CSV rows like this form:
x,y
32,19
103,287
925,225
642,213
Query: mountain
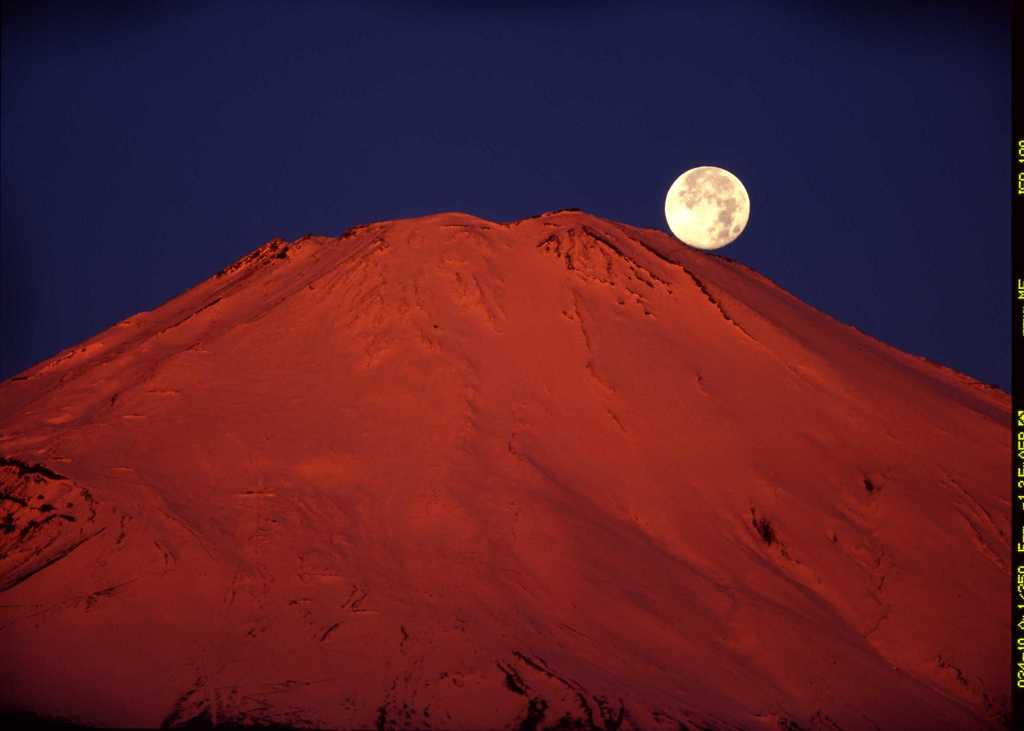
x,y
448,473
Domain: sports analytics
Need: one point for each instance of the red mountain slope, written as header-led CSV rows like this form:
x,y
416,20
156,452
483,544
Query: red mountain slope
x,y
452,474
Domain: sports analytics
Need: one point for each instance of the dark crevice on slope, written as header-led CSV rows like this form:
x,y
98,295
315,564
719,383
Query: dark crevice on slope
x,y
611,718
591,255
655,252
24,468
763,526
513,680
718,305
63,553
602,239
327,632
535,711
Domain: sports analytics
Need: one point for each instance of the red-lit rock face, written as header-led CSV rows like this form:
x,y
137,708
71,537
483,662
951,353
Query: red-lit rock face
x,y
448,473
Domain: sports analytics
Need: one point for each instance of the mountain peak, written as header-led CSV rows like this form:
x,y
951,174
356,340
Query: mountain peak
x,y
451,472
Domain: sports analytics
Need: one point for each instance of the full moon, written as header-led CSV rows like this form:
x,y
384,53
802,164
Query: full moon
x,y
707,207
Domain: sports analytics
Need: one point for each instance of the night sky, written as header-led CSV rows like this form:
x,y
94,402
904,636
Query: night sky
x,y
143,151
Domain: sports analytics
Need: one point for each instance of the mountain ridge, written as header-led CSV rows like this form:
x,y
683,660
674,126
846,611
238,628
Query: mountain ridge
x,y
277,247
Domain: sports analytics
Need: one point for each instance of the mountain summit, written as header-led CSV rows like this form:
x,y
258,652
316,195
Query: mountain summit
x,y
448,473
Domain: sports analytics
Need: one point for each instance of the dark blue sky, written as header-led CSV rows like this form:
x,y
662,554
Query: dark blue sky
x,y
143,151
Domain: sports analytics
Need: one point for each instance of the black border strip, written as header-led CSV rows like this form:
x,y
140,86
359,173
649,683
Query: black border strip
x,y
1017,355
